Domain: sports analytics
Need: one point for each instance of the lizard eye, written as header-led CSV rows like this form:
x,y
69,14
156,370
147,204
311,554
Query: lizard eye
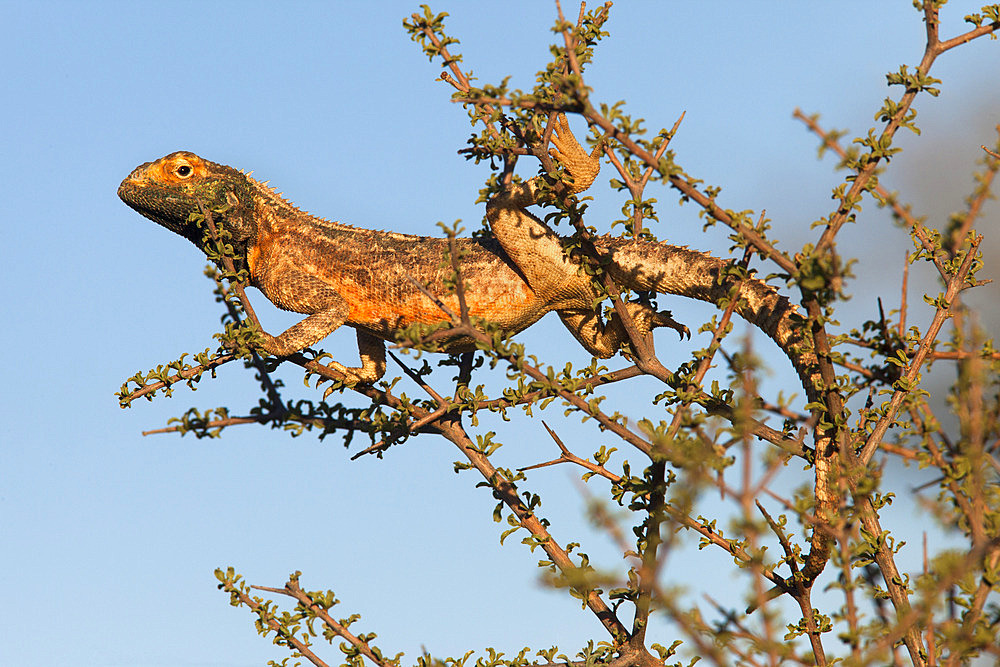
x,y
184,170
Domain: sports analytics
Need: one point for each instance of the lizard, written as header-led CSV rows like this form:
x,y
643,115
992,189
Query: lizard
x,y
341,275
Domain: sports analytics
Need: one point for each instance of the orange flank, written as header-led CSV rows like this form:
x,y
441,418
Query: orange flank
x,y
414,308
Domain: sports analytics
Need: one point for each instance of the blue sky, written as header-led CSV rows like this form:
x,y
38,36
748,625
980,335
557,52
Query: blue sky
x,y
110,538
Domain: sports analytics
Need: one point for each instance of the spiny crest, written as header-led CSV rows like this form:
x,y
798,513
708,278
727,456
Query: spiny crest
x,y
278,200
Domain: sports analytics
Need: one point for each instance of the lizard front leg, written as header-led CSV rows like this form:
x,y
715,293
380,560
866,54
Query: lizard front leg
x,y
330,312
311,330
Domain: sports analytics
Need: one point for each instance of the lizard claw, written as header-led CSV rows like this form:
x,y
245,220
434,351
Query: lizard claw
x,y
349,378
663,319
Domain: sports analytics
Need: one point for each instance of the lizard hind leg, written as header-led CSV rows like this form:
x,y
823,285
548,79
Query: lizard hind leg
x,y
605,339
537,250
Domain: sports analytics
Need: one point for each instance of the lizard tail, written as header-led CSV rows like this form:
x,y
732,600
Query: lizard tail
x,y
667,269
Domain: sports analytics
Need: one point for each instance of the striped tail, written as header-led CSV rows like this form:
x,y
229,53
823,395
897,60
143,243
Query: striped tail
x,y
668,269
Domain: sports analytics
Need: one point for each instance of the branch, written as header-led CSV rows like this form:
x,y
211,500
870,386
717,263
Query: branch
x,y
955,284
901,212
293,590
273,625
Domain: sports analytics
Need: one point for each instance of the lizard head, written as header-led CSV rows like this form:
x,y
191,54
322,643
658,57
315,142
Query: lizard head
x,y
171,189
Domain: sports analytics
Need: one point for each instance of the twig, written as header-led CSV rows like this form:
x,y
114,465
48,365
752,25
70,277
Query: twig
x,y
901,212
181,376
293,590
276,627
567,456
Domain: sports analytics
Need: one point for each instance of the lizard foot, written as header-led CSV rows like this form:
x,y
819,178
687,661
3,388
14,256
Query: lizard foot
x,y
646,319
605,339
580,164
351,376
663,318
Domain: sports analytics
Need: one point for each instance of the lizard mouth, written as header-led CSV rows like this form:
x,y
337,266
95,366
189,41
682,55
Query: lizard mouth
x,y
161,208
